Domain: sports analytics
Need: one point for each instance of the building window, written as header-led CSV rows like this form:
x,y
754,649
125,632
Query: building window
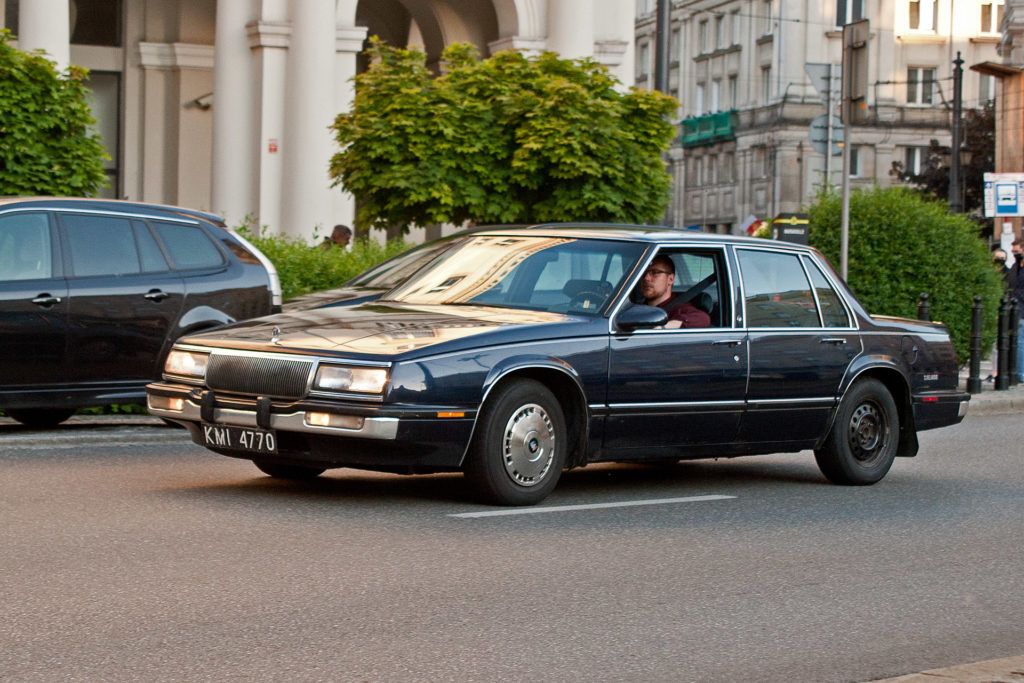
x,y
855,162
698,100
674,47
104,101
920,85
913,159
986,88
702,37
735,27
697,171
733,94
642,61
713,169
716,95
759,164
645,7
729,167
766,6
991,17
766,84
921,15
848,11
719,32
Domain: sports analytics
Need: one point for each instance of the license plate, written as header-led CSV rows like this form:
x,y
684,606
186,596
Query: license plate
x,y
240,438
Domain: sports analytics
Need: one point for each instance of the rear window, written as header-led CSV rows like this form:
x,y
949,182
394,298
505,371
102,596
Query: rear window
x,y
25,247
101,245
188,245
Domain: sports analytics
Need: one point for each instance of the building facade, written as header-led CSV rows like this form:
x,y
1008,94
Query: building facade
x,y
225,105
747,101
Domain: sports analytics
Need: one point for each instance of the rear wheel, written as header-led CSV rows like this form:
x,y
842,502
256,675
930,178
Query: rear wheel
x,y
279,471
862,444
519,446
41,418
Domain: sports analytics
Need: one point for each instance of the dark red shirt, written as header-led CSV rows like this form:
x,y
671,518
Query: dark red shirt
x,y
687,314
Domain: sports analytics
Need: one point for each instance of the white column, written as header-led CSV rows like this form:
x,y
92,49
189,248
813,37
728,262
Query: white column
x,y
234,155
306,200
571,28
348,45
269,39
45,25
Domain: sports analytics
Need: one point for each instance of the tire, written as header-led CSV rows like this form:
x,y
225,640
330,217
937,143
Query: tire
x,y
41,418
861,446
293,472
519,445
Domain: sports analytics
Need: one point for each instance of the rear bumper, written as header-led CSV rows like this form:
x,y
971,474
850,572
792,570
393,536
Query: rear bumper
x,y
939,409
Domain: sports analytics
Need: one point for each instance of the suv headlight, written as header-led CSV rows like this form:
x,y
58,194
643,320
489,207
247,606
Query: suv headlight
x,y
351,378
186,364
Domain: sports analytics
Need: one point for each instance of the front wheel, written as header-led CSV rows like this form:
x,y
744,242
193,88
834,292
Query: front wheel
x,y
519,446
862,444
279,471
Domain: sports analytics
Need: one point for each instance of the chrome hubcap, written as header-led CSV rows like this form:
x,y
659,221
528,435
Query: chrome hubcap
x,y
528,445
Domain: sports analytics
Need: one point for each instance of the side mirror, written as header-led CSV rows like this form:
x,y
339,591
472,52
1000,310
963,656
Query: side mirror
x,y
641,318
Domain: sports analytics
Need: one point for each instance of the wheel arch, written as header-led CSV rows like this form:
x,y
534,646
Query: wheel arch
x,y
899,388
564,383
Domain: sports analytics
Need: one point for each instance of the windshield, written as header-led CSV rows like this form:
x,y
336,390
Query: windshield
x,y
396,269
555,274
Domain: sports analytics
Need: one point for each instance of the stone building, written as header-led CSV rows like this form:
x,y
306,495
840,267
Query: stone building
x,y
747,102
225,104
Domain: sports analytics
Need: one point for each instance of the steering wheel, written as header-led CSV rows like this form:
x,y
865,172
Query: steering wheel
x,y
585,299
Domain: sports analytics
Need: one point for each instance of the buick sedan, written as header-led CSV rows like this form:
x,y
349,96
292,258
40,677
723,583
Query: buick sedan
x,y
514,354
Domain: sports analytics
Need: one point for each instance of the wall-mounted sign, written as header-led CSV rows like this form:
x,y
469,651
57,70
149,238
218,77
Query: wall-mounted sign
x,y
1004,194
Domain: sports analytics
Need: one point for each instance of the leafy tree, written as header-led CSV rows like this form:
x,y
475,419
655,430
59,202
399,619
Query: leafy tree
x,y
44,118
508,139
902,244
979,146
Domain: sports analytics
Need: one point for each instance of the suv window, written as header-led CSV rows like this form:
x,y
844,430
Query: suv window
x,y
25,247
101,245
188,245
777,291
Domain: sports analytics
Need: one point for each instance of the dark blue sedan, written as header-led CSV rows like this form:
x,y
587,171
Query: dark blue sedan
x,y
514,354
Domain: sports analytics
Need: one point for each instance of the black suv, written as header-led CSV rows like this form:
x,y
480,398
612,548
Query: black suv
x,y
93,294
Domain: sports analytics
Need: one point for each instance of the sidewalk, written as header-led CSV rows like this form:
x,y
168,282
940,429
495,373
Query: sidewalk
x,y
991,401
1009,670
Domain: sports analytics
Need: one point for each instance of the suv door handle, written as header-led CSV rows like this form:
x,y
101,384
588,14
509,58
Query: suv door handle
x,y
46,300
156,295
728,342
833,340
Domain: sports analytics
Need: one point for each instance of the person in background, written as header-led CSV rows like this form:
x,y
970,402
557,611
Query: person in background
x,y
1015,285
339,237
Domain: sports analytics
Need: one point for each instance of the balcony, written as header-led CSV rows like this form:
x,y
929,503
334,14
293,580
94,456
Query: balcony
x,y
701,131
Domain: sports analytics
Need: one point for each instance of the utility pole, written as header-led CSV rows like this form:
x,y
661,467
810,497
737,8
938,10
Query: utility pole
x,y
854,109
956,201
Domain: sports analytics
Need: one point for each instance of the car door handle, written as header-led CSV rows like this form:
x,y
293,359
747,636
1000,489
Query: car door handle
x,y
156,295
728,342
833,340
46,300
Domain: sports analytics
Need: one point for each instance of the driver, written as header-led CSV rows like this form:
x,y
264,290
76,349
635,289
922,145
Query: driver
x,y
656,287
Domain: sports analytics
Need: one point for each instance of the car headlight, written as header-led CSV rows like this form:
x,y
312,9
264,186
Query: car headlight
x,y
351,378
186,363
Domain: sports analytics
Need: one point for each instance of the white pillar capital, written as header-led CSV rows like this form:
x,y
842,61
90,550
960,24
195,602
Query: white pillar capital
x,y
350,38
268,34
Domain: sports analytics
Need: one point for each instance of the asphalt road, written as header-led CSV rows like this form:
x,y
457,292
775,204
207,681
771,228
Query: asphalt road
x,y
126,553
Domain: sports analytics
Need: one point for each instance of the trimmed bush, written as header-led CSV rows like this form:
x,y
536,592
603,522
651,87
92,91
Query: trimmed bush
x,y
304,269
901,245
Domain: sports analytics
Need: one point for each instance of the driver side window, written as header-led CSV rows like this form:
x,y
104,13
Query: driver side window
x,y
694,284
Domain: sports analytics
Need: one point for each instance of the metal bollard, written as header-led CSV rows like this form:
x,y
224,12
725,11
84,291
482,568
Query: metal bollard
x,y
1011,359
924,308
974,377
1003,344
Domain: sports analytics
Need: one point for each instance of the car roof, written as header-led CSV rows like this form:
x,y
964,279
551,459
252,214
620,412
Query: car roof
x,y
115,205
654,234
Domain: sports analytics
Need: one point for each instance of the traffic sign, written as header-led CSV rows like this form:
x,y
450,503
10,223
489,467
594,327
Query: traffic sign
x,y
819,134
826,78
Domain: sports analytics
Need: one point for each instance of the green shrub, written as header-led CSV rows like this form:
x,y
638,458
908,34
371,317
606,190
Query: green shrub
x,y
901,245
304,269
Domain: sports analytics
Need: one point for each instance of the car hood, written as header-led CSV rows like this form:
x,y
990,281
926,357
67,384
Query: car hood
x,y
385,329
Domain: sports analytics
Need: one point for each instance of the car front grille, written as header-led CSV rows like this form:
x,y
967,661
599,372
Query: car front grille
x,y
258,375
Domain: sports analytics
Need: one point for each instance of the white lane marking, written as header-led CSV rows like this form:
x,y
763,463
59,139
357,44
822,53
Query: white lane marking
x,y
591,506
